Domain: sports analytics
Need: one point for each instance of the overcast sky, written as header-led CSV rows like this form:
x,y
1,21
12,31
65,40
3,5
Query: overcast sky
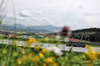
x,y
75,13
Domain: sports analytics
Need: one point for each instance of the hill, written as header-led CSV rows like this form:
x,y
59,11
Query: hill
x,y
87,30
89,34
44,28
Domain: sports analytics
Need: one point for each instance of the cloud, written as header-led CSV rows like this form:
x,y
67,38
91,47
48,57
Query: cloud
x,y
76,13
24,13
80,6
39,21
37,12
92,14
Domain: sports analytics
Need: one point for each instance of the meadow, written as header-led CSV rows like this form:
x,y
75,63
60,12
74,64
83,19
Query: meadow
x,y
14,55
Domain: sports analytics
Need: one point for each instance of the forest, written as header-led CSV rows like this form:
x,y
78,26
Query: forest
x,y
90,34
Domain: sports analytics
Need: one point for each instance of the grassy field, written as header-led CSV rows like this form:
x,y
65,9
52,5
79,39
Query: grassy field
x,y
14,55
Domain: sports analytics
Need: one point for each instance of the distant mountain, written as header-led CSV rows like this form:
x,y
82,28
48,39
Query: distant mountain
x,y
44,28
50,28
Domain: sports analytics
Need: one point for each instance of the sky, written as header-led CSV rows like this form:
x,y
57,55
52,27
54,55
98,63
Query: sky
x,y
77,14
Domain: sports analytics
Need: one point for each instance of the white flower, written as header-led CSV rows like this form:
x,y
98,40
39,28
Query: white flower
x,y
55,49
58,37
57,52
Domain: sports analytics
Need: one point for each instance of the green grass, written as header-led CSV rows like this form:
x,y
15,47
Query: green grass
x,y
17,39
1,37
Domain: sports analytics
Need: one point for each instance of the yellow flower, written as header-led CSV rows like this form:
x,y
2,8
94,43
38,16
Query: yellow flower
x,y
44,50
46,39
24,58
41,55
33,59
51,57
44,64
29,44
23,52
34,40
90,48
49,60
31,39
92,54
89,64
37,57
29,56
83,56
20,48
19,62
14,43
79,59
54,64
86,45
37,48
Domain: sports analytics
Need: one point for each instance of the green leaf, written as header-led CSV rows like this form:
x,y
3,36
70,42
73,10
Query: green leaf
x,y
0,22
71,49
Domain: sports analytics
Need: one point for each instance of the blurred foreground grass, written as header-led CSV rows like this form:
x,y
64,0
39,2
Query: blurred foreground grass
x,y
14,55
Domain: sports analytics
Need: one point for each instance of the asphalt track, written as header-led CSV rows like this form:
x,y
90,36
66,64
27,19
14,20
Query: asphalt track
x,y
45,45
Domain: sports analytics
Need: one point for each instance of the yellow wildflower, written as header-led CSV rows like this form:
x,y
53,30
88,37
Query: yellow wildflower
x,y
90,48
44,50
37,57
54,64
49,60
86,45
79,59
31,39
44,64
14,43
23,52
29,42
89,64
24,58
51,57
46,39
41,55
92,54
20,47
29,56
83,56
34,40
19,62
33,59
37,48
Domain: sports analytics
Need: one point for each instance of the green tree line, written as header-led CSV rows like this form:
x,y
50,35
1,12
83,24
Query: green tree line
x,y
90,34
